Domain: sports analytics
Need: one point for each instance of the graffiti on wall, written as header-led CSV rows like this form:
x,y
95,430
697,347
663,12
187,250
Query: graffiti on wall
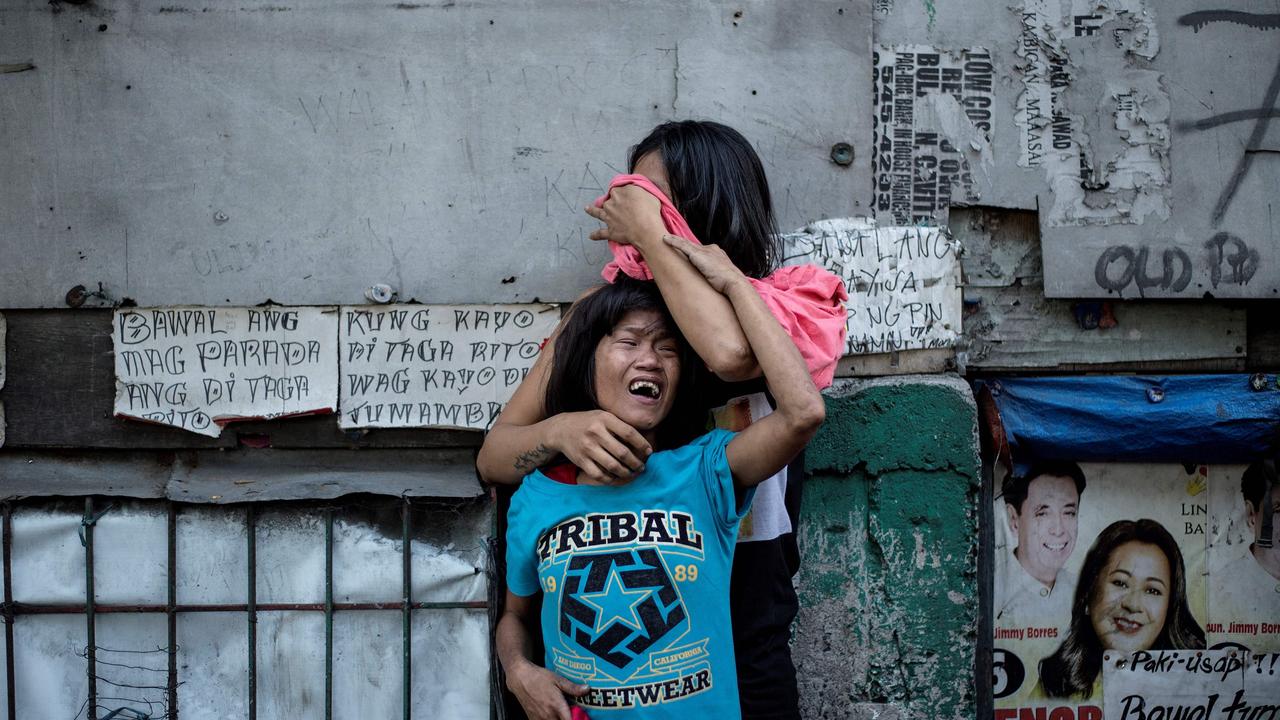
x,y
1224,258
1135,270
1261,115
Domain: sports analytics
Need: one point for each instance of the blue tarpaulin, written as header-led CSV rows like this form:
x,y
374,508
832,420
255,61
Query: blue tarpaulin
x,y
1174,418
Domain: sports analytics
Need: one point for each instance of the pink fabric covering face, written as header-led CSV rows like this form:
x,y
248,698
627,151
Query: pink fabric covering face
x,y
626,259
807,300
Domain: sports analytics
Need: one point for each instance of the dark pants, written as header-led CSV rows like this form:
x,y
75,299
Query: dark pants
x,y
763,604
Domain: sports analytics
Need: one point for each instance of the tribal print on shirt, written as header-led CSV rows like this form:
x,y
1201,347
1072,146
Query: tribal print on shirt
x,y
623,623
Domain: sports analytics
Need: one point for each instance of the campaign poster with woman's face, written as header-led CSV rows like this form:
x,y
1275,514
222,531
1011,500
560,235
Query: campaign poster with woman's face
x,y
1092,557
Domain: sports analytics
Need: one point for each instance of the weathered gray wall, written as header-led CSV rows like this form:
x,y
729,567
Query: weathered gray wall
x,y
1139,130
183,152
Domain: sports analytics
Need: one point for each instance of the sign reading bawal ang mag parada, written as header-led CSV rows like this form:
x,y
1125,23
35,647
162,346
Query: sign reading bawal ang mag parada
x,y
199,368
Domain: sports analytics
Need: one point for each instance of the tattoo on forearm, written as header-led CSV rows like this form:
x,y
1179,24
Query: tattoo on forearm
x,y
531,459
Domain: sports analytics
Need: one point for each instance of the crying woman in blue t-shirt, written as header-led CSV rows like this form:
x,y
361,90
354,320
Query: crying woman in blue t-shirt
x,y
635,576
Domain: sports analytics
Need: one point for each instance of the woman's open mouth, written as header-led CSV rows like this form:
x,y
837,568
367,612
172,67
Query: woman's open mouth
x,y
1128,627
647,391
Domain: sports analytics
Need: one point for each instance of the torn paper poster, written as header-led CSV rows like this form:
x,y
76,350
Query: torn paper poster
x,y
452,366
1096,123
903,282
932,126
1244,582
1190,683
199,368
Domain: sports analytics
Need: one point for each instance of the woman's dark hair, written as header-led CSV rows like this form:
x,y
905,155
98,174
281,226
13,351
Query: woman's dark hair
x,y
720,188
571,385
1073,667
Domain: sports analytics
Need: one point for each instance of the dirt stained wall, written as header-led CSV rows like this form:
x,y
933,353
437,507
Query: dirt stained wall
x,y
888,583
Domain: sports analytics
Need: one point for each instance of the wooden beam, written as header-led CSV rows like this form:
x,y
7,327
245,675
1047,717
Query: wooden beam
x,y
1264,336
1010,325
245,475
61,390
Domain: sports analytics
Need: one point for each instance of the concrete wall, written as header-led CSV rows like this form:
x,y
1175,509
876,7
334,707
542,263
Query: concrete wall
x,y
187,152
888,587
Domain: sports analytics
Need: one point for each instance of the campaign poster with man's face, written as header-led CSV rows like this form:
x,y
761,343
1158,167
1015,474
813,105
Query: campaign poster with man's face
x,y
1244,573
1092,557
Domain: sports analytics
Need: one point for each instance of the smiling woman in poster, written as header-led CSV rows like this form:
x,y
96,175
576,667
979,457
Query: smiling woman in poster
x,y
1132,595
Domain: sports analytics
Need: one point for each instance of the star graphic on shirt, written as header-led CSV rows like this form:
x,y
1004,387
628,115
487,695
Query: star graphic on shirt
x,y
616,602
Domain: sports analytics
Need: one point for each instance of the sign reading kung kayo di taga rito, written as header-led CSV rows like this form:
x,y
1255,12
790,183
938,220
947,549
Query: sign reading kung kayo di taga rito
x,y
452,366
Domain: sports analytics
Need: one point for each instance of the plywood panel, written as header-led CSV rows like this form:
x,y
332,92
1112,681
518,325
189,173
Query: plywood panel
x,y
183,152
1009,324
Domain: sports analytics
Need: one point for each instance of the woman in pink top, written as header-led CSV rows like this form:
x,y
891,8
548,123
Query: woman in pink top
x,y
703,182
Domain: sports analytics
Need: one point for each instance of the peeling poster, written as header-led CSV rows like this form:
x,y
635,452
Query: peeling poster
x,y
1095,122
452,366
932,123
199,368
902,281
1100,527
1226,684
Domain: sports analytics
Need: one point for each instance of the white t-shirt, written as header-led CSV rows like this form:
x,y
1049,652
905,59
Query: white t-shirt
x,y
768,518
1022,600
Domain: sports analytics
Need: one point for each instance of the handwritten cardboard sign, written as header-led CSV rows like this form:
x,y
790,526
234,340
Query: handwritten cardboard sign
x,y
1190,684
452,366
199,368
903,282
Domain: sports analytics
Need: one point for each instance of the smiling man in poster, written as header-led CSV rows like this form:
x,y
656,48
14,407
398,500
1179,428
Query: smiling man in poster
x,y
1042,507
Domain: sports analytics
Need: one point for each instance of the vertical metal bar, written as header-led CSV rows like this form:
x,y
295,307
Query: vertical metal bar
x,y
984,657
251,522
172,613
328,614
8,612
92,647
408,604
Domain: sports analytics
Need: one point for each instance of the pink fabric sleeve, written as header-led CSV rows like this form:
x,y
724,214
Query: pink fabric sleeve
x,y
626,259
807,300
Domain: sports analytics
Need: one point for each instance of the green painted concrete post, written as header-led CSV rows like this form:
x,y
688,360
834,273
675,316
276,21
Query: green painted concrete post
x,y
888,586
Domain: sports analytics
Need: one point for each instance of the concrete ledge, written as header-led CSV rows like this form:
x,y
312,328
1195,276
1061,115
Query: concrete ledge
x,y
219,477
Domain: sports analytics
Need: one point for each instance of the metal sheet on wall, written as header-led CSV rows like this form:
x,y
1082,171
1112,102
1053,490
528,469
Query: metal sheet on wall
x,y
450,646
1175,173
1139,130
183,153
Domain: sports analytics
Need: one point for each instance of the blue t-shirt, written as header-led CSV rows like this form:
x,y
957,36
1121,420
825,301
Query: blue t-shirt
x,y
636,582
